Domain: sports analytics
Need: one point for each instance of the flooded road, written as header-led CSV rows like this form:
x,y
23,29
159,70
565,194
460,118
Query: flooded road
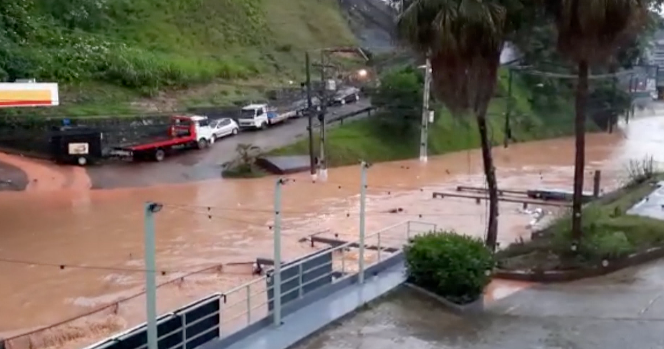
x,y
47,230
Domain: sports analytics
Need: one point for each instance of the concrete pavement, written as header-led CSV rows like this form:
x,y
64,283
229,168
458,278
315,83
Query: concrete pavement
x,y
202,165
622,310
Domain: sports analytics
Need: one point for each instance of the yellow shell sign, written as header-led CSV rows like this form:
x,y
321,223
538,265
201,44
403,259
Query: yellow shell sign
x,y
28,95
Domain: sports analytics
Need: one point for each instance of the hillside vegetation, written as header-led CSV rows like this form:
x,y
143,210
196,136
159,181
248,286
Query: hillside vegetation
x,y
107,51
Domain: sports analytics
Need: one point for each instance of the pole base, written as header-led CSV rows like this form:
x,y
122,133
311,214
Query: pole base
x,y
424,158
314,177
322,174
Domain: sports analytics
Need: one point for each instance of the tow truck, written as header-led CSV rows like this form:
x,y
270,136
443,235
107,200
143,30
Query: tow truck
x,y
184,132
261,116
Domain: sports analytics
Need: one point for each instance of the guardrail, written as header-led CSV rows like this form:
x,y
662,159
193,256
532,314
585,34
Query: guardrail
x,y
341,119
245,309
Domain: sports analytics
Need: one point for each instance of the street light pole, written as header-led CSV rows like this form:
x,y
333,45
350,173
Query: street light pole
x,y
150,273
276,277
312,165
363,202
322,166
424,132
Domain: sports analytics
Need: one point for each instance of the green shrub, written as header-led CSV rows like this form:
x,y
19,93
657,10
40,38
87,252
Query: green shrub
x,y
453,266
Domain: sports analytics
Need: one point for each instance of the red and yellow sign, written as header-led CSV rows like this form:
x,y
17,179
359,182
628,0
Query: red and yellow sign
x,y
34,94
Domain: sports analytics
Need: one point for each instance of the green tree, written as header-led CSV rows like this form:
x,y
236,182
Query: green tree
x,y
463,40
589,33
399,96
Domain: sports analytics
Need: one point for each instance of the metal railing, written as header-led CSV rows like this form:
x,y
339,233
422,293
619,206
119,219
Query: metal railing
x,y
223,314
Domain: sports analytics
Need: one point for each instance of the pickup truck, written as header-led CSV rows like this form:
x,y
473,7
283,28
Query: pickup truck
x,y
261,116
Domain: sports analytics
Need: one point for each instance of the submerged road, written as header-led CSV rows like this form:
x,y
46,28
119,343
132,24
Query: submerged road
x,y
622,310
196,166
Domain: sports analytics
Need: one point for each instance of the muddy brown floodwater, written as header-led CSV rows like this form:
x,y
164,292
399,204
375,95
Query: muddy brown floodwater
x,y
78,226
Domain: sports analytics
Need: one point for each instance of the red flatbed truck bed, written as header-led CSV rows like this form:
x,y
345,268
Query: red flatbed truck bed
x,y
184,131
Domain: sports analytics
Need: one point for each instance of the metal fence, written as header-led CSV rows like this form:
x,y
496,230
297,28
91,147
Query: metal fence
x,y
249,306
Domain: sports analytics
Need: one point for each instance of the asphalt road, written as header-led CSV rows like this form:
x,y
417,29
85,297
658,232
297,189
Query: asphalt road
x,y
196,165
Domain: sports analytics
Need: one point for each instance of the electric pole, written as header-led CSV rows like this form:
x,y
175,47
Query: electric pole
x,y
424,134
312,165
508,130
322,166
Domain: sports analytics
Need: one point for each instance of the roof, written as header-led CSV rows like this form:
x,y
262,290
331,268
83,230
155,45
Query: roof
x,y
254,106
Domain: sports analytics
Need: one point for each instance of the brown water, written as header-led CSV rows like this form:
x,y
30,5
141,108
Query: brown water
x,y
58,220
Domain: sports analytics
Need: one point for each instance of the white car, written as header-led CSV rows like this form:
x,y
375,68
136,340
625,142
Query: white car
x,y
224,127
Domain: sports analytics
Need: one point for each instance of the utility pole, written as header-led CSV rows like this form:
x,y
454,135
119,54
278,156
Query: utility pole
x,y
508,131
424,132
312,165
322,166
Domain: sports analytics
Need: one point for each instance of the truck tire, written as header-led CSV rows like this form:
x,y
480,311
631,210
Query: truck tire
x,y
82,161
264,126
202,143
235,131
159,155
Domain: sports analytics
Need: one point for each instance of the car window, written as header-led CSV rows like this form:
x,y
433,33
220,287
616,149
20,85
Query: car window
x,y
259,112
214,123
225,122
204,122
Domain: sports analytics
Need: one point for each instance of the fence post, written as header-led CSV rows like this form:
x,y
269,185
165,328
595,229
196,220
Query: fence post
x,y
363,202
596,183
248,304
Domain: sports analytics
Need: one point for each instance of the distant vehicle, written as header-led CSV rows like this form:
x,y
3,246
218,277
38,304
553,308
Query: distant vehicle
x,y
261,116
224,127
301,106
75,144
184,132
346,95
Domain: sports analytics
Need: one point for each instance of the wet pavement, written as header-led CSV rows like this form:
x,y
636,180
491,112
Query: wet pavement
x,y
59,220
618,311
203,165
652,205
12,178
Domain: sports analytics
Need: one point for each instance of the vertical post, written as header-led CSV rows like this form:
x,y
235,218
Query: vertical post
x,y
276,277
322,166
596,183
150,274
363,202
248,292
508,111
424,132
312,165
300,277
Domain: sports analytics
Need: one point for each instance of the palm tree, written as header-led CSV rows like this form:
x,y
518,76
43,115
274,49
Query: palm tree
x,y
590,32
463,40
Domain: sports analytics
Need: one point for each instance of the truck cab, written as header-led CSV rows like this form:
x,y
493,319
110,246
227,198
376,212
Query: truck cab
x,y
254,116
196,127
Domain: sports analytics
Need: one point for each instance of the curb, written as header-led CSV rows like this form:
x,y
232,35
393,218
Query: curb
x,y
606,267
465,309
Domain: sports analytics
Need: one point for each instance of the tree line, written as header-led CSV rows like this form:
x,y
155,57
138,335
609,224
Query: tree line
x,y
463,39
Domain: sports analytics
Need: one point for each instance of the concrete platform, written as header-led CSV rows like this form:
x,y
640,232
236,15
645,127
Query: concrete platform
x,y
284,164
652,205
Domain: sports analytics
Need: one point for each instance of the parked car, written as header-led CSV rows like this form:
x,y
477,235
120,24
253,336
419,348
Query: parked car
x,y
224,127
346,95
301,105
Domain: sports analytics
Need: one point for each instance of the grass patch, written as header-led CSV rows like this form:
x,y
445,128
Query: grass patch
x,y
243,171
608,233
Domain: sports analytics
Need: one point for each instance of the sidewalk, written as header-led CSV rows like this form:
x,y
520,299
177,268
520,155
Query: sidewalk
x,y
622,310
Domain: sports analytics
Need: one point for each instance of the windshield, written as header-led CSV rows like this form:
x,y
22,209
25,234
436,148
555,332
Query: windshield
x,y
248,113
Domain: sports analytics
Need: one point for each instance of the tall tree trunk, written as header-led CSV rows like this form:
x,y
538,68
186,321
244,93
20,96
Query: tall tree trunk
x,y
580,144
490,174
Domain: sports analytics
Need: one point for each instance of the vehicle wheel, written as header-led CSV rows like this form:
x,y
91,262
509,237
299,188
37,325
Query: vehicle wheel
x,y
357,98
159,155
235,131
202,143
343,101
82,161
264,126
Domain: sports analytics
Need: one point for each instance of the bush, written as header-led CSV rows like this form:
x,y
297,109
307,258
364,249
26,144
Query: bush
x,y
453,266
